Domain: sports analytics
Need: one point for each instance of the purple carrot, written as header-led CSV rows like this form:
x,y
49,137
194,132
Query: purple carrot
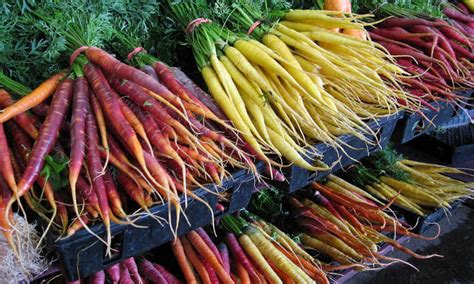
x,y
224,253
166,274
41,109
197,93
408,22
80,107
417,70
150,72
151,273
125,275
463,8
47,136
240,256
114,272
133,268
456,15
6,167
443,41
210,271
323,201
98,278
456,35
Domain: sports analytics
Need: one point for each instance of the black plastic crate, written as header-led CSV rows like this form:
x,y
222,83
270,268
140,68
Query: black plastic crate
x,y
297,177
414,125
83,254
454,145
422,224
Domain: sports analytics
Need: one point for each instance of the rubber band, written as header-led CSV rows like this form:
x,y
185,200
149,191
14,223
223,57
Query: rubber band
x,y
196,22
76,53
254,26
134,52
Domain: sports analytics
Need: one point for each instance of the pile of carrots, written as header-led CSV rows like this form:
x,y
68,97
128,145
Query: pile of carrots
x,y
437,52
122,132
131,270
289,82
412,185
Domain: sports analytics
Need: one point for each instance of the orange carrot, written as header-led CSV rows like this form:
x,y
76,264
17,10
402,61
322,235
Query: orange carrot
x,y
38,95
183,263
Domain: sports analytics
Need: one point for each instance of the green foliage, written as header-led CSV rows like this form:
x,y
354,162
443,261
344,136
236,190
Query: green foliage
x,y
55,170
400,8
267,203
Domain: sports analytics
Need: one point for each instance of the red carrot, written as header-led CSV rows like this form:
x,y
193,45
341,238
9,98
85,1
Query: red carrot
x,y
409,22
114,272
80,108
151,273
148,103
166,274
111,107
240,256
461,51
457,36
98,278
47,136
113,195
135,193
95,169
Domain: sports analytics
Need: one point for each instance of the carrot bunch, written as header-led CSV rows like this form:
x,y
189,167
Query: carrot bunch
x,y
438,54
415,186
131,270
285,88
107,133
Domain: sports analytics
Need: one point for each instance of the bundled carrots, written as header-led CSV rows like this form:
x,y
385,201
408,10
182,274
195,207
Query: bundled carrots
x,y
415,186
127,135
287,84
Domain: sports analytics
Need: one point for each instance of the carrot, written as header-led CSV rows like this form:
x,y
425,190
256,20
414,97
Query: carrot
x,y
47,136
5,215
210,271
224,254
242,273
133,268
22,119
239,256
456,15
133,120
409,22
95,169
170,278
125,275
457,36
6,167
135,193
97,278
195,261
38,95
77,224
259,260
151,273
112,108
186,269
113,196
209,256
150,104
114,272
80,107
150,71
197,94
99,116
205,237
307,266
